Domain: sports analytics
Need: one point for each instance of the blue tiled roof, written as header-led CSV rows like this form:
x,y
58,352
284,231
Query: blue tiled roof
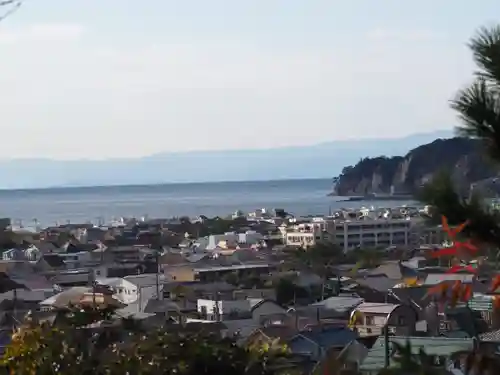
x,y
331,337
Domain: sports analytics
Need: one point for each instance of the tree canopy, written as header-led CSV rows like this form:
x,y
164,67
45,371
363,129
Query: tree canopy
x,y
75,343
478,107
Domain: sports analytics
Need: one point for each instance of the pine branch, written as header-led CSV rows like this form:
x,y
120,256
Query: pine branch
x,y
478,105
484,224
485,47
14,6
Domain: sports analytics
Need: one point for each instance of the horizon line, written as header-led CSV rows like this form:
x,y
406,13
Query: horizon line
x,y
157,184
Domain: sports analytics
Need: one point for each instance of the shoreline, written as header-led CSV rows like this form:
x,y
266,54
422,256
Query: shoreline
x,y
369,198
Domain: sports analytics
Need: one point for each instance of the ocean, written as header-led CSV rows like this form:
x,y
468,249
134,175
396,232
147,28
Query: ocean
x,y
83,204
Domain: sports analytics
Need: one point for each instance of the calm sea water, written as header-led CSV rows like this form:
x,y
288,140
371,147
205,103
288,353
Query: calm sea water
x,y
78,205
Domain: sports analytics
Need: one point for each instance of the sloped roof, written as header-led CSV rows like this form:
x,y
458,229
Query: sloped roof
x,y
437,346
354,352
416,295
27,295
376,308
339,303
329,337
6,283
379,283
434,279
53,260
161,306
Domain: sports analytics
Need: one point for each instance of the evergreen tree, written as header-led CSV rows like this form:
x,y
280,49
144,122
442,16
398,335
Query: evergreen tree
x,y
478,107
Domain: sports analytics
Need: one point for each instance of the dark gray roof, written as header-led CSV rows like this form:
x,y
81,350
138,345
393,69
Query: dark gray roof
x,y
27,295
335,336
340,304
154,306
145,279
54,260
379,283
415,295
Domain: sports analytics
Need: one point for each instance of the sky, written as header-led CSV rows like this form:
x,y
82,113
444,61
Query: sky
x,y
97,79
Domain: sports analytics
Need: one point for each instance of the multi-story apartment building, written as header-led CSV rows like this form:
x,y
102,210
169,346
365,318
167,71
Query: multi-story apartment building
x,y
381,232
304,234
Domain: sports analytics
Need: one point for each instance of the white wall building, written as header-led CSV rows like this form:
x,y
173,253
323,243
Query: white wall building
x,y
229,240
123,290
256,309
382,232
222,310
304,234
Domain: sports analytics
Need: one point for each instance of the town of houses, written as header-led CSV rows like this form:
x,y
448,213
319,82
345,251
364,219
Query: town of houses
x,y
226,283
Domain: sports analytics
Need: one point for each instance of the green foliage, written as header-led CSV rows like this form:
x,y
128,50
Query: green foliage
x,y
287,292
408,363
478,108
209,226
484,223
124,348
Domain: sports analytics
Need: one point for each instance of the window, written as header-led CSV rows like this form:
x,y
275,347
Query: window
x,y
401,320
369,320
203,311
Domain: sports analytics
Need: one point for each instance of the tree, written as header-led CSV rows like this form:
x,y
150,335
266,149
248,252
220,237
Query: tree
x,y
124,349
478,107
287,292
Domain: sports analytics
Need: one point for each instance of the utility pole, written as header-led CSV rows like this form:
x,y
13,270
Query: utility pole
x,y
14,307
386,346
216,307
92,283
157,274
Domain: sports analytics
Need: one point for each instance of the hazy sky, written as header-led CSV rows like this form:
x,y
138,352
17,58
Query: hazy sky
x,y
105,78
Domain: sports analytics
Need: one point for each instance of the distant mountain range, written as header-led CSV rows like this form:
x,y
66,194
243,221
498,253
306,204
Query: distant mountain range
x,y
323,160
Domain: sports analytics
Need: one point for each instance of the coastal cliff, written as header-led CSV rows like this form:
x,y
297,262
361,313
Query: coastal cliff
x,y
406,174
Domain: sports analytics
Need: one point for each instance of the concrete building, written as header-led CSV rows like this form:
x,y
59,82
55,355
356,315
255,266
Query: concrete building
x,y
381,232
304,234
257,309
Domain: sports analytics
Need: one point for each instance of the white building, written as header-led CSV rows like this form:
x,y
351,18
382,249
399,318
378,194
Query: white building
x,y
303,234
229,240
367,232
257,309
123,290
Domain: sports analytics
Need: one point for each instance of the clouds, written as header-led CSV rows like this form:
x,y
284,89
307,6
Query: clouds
x,y
69,90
